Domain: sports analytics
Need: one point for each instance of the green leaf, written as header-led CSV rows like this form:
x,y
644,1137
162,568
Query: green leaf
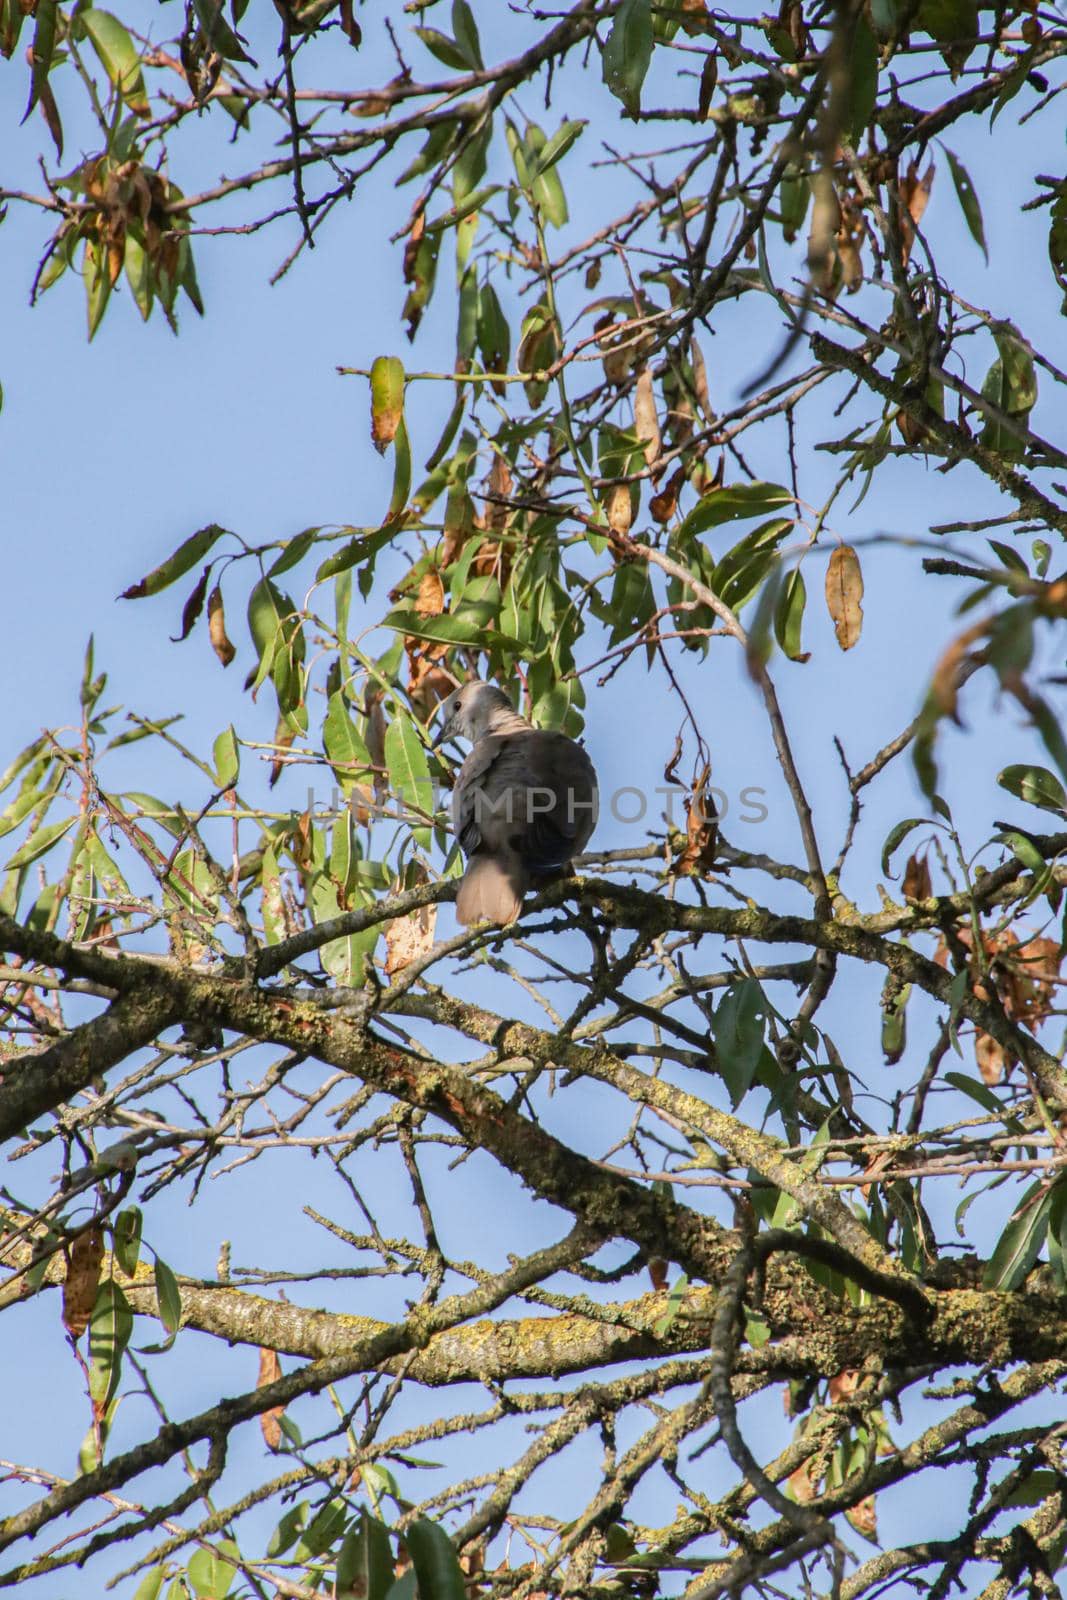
x,y
1011,385
628,52
445,629
118,55
127,1239
110,1327
728,505
408,767
362,547
218,33
344,746
227,758
326,1526
288,1530
556,147
1036,785
433,1556
466,31
742,569
895,837
150,1584
42,51
211,1572
168,1297
365,1561
967,196
39,843
401,475
445,49
268,612
295,551
1020,1243
789,616
862,79
188,553
739,1025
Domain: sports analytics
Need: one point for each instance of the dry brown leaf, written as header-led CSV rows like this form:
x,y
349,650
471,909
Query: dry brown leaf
x,y
990,1058
617,362
376,741
825,222
700,377
216,627
694,16
844,592
917,884
646,422
701,831
620,508
945,683
662,506
657,1271
283,741
499,485
864,1519
430,600
408,938
914,193
270,1370
802,1484
82,1280
709,77
843,1384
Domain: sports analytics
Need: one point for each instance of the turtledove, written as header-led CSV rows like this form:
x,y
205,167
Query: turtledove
x,y
524,803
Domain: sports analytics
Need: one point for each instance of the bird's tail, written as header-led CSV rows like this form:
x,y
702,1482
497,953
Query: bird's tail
x,y
492,890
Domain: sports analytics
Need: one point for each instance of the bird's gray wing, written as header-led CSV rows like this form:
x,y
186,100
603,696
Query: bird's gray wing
x,y
467,809
562,806
531,794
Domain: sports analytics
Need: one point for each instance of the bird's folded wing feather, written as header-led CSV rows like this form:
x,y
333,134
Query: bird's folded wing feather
x,y
533,793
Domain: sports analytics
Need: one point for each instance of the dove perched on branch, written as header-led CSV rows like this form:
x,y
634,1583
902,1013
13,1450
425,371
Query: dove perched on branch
x,y
525,802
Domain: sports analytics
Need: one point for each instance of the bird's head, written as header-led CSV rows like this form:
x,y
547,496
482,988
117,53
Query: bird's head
x,y
470,711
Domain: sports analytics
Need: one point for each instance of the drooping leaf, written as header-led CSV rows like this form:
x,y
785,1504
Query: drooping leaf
x,y
127,1238
437,1569
967,196
110,1327
789,616
628,52
188,553
387,400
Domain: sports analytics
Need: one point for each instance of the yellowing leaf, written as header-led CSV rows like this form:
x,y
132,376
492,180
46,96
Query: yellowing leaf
x,y
386,401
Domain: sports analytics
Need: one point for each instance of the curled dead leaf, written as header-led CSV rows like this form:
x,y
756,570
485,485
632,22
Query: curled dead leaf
x,y
701,830
917,883
646,422
662,506
270,1370
430,600
216,627
620,508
